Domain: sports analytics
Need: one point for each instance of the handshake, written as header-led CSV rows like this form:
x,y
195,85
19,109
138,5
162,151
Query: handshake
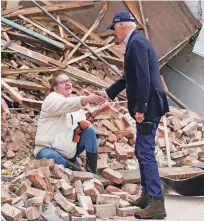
x,y
95,98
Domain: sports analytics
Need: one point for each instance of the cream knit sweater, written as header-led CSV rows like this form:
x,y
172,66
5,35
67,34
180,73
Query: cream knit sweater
x,y
58,119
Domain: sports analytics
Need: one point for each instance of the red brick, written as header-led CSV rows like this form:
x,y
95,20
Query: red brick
x,y
56,184
198,137
123,140
56,174
89,188
120,124
112,138
72,196
105,211
104,149
10,154
109,125
78,175
160,142
41,163
127,211
66,188
130,152
22,188
120,151
65,204
23,210
130,188
50,215
98,185
35,201
84,218
108,199
123,203
118,192
33,192
5,197
63,170
33,213
189,128
186,121
36,179
86,203
102,162
65,216
110,145
10,212
179,133
14,148
112,175
93,197
78,186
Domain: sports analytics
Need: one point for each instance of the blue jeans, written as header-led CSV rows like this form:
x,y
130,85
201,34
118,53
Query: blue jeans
x,y
144,151
87,142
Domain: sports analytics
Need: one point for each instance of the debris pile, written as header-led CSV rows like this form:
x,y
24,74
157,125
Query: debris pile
x,y
47,191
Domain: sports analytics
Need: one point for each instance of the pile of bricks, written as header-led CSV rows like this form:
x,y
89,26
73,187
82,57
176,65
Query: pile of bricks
x,y
47,191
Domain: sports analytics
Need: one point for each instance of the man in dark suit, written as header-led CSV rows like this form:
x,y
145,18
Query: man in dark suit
x,y
147,102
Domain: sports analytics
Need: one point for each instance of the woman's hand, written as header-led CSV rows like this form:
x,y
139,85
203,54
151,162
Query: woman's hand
x,y
92,99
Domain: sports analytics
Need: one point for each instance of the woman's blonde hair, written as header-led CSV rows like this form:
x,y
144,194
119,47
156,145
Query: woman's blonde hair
x,y
53,79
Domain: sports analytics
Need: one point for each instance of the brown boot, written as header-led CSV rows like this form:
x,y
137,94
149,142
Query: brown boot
x,y
154,210
142,201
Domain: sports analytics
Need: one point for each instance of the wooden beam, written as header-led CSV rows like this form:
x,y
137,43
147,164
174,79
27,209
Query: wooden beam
x,y
24,84
52,8
32,54
46,2
135,12
14,95
112,60
46,30
83,39
144,20
89,54
88,42
29,103
94,36
133,176
167,141
60,28
11,10
6,72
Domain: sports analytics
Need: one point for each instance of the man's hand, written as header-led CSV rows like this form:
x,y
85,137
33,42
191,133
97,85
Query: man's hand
x,y
92,99
100,93
139,117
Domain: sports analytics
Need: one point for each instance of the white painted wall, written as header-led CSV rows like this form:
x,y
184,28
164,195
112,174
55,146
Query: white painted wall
x,y
197,8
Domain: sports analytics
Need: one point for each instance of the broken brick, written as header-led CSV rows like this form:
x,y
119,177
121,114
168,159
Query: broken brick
x,y
89,188
109,125
130,188
98,185
35,201
84,218
10,154
86,203
22,188
78,186
78,175
189,128
72,196
112,138
41,163
56,184
14,148
104,149
33,192
36,179
123,203
127,211
112,175
49,215
108,199
66,188
102,162
5,197
65,216
120,151
105,211
33,213
10,212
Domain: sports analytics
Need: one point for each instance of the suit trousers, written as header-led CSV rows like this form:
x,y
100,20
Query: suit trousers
x,y
145,153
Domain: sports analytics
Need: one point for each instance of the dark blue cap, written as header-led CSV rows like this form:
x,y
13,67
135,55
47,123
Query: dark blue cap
x,y
121,16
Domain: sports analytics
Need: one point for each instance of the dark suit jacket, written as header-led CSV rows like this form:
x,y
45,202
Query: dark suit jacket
x,y
142,81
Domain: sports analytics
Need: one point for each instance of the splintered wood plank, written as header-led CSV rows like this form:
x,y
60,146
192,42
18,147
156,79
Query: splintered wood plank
x,y
23,84
29,70
46,30
14,95
60,28
133,176
135,12
32,54
11,10
89,54
53,8
85,76
94,36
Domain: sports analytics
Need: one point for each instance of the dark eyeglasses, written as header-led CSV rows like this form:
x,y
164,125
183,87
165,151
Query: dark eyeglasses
x,y
64,81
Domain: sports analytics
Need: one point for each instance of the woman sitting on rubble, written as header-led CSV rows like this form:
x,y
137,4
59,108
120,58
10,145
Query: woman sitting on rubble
x,y
57,137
